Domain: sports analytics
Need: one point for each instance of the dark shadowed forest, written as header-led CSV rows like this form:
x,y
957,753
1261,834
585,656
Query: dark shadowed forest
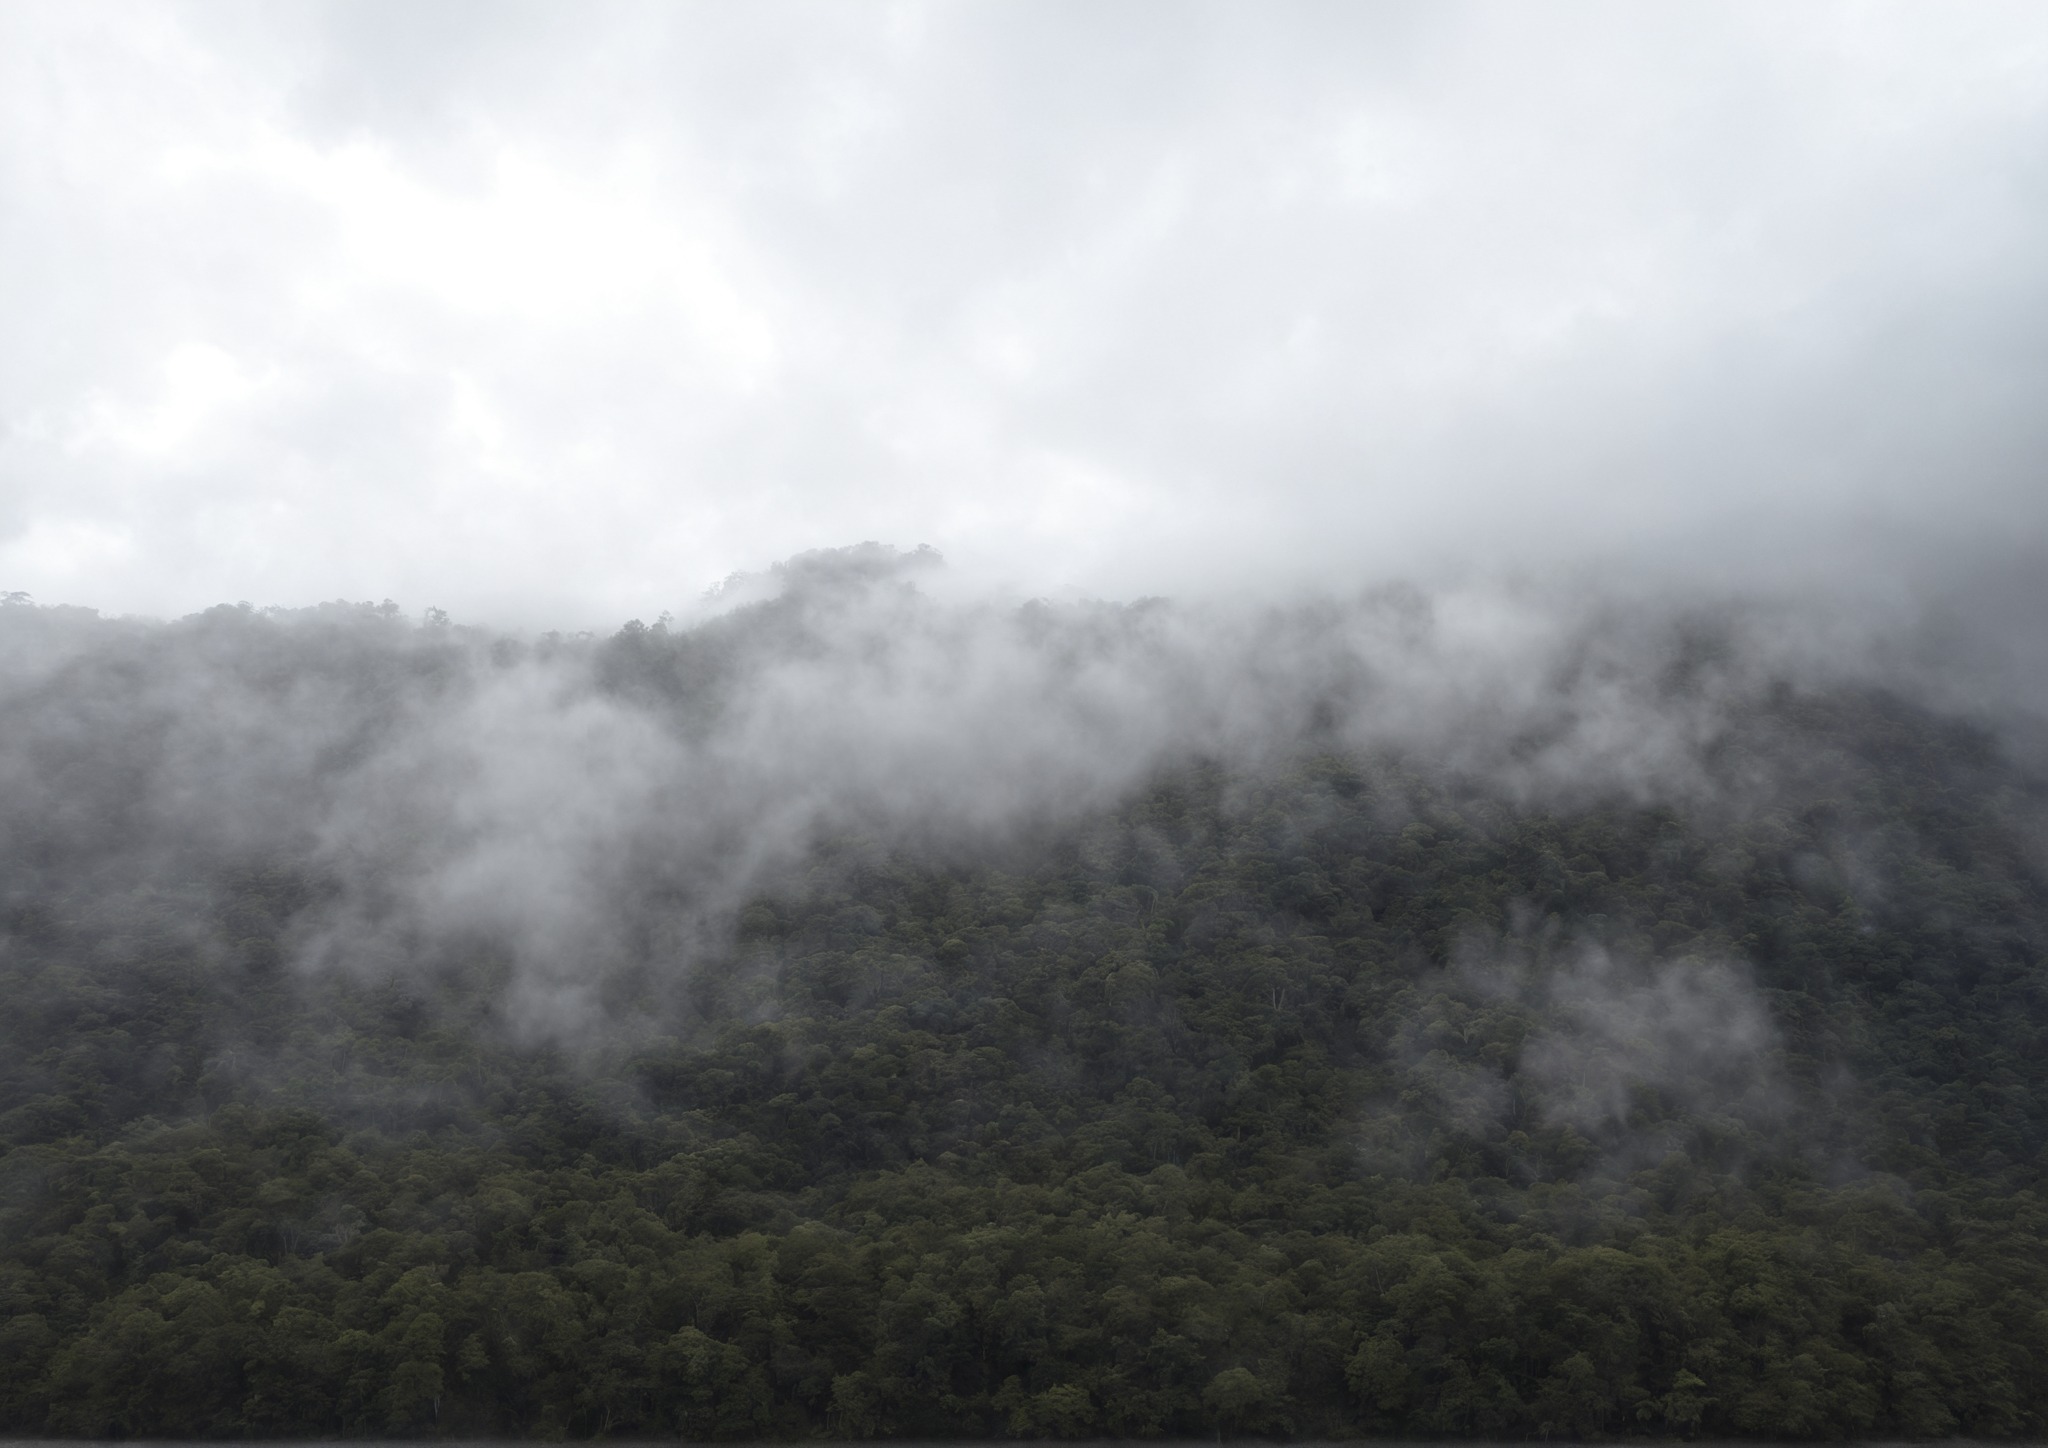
x,y
855,1016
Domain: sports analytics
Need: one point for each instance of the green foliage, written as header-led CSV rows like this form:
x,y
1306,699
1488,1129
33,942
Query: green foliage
x,y
1350,1098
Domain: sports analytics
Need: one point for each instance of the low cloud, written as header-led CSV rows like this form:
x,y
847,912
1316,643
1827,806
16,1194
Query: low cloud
x,y
1686,1037
580,808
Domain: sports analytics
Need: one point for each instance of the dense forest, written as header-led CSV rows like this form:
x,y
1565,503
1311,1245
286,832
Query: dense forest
x,y
409,1033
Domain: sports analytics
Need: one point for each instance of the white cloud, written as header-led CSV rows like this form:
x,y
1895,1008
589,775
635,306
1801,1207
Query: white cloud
x,y
557,314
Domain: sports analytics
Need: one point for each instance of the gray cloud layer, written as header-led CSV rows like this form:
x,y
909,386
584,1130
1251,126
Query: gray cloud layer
x,y
556,314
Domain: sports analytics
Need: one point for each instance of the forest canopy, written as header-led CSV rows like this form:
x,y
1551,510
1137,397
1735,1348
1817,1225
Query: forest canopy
x,y
856,1014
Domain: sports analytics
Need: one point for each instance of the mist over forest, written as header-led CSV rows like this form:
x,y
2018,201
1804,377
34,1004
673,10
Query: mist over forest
x,y
878,1008
1430,820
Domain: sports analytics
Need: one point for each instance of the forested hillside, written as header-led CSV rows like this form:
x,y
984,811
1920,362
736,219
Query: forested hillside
x,y
1354,1083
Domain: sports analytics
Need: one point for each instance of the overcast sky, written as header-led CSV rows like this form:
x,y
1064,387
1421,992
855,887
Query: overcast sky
x,y
558,314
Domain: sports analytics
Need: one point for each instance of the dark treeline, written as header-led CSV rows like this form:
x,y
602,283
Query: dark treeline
x,y
1339,1092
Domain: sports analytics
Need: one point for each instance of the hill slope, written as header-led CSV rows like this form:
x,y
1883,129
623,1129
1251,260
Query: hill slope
x,y
1341,1087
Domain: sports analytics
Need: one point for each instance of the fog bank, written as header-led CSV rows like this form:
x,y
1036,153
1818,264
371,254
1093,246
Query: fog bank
x,y
585,804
